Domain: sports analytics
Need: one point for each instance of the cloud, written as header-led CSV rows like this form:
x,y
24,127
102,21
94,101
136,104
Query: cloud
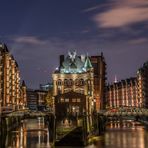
x,y
139,41
29,40
123,14
90,9
37,63
93,8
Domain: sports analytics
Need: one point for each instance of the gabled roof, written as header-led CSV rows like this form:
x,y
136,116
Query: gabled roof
x,y
75,64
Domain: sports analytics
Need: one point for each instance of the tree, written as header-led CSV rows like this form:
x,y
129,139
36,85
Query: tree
x,y
50,100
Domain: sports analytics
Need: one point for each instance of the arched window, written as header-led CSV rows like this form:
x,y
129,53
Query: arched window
x,y
77,82
70,82
81,82
66,82
59,82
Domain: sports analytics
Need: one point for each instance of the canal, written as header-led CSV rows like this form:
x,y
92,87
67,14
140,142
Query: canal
x,y
33,133
125,134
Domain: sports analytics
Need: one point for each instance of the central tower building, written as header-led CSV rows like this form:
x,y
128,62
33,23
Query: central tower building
x,y
73,86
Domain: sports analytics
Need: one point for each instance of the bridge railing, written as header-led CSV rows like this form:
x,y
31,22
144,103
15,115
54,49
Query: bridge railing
x,y
127,112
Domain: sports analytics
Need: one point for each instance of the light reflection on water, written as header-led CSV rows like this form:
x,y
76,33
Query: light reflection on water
x,y
33,133
123,135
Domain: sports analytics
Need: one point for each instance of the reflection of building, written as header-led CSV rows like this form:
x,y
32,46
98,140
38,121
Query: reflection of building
x,y
99,65
10,89
73,86
142,78
123,93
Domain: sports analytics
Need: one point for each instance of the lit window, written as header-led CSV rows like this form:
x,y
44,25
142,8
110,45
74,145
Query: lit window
x,y
78,100
66,100
68,82
62,99
59,82
74,100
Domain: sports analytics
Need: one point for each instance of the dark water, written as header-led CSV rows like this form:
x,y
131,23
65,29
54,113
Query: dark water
x,y
127,134
33,133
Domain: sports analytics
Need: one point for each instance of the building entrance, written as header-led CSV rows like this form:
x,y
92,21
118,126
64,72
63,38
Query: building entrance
x,y
70,105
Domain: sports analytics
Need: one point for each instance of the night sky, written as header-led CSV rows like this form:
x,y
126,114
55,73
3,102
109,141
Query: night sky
x,y
38,31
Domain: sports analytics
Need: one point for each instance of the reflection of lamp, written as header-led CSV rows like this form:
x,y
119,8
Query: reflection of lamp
x,y
39,138
73,108
94,104
21,138
48,143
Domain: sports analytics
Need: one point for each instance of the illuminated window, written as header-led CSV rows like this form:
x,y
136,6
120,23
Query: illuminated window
x,y
81,83
78,100
62,99
65,82
66,100
68,82
74,100
59,82
77,82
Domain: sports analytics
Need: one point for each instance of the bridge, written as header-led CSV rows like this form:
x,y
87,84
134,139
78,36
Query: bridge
x,y
27,113
126,112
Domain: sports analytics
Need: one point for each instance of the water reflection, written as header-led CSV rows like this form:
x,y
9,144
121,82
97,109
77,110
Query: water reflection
x,y
126,134
32,133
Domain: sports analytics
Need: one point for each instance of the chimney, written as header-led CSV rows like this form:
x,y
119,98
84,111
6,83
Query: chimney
x,y
61,59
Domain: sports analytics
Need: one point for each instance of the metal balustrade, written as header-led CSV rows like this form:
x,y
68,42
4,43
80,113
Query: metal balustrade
x,y
126,112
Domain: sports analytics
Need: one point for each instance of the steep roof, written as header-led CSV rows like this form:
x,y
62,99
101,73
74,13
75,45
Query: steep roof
x,y
74,64
87,64
23,83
